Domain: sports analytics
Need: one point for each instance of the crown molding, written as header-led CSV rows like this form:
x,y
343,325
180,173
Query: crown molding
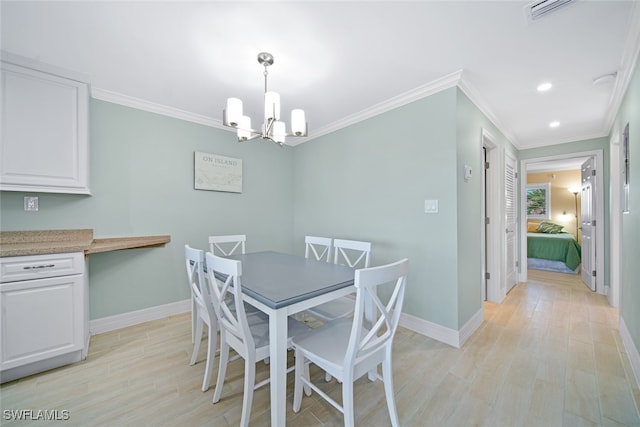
x,y
627,67
152,107
428,89
547,141
472,93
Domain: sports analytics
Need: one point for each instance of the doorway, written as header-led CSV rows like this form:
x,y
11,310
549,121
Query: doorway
x,y
491,221
566,162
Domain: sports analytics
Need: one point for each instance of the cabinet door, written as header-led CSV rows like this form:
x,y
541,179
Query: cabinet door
x,y
40,319
44,132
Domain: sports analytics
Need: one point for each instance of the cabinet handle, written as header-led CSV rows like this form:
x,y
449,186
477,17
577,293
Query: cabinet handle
x,y
32,267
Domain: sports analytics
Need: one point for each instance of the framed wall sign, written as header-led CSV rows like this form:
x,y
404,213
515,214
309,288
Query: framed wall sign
x,y
217,173
538,205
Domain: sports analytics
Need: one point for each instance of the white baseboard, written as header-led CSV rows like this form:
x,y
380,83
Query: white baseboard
x,y
630,348
441,333
424,327
471,326
111,323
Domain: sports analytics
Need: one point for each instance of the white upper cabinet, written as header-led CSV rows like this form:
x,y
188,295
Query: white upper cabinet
x,y
45,128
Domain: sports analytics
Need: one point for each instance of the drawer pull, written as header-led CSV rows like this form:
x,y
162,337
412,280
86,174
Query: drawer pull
x,y
33,267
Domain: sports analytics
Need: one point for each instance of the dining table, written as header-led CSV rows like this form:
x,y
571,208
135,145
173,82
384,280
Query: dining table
x,y
280,285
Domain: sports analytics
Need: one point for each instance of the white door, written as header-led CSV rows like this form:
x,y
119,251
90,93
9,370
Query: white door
x,y
588,224
511,215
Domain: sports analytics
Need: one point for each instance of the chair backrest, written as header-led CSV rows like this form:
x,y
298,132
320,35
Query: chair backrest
x,y
227,299
200,291
227,245
352,253
379,337
319,247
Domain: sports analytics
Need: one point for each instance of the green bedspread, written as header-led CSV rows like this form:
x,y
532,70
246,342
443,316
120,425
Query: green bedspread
x,y
556,247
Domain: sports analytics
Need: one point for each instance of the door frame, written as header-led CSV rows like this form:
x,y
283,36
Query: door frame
x,y
599,213
615,216
491,243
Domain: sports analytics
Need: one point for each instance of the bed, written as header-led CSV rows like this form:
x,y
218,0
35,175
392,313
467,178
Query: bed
x,y
555,252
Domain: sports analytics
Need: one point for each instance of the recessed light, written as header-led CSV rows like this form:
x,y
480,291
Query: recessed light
x,y
543,87
554,124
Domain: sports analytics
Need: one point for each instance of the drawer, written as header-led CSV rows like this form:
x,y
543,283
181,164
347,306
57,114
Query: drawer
x,y
18,268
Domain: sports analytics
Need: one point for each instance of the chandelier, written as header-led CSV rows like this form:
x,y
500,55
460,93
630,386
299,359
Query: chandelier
x,y
272,128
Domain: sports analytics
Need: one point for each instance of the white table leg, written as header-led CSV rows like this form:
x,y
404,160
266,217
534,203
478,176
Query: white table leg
x,y
278,366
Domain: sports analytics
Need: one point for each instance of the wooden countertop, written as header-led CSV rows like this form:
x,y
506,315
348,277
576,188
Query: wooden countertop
x,y
119,243
38,242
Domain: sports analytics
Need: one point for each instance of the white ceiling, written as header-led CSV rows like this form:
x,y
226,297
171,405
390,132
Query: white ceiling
x,y
343,61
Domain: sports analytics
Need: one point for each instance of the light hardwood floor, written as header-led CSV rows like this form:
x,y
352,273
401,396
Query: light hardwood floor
x,y
549,355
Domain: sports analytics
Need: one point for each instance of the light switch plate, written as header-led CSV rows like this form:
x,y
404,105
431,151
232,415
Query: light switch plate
x,y
30,203
430,206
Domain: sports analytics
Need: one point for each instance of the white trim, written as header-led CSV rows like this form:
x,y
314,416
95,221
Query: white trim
x,y
615,218
438,85
493,176
475,97
119,321
471,326
630,348
428,89
441,333
141,104
629,61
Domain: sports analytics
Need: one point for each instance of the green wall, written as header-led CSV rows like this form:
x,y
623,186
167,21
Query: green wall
x,y
142,184
630,291
369,182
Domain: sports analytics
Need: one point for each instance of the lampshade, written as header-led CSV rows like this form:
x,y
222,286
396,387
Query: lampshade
x,y
298,122
244,128
234,111
271,105
279,132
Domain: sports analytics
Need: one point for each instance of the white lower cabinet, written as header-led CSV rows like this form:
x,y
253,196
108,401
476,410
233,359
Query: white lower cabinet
x,y
44,313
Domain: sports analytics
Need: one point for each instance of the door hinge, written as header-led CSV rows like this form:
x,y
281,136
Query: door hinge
x,y
593,273
593,223
517,263
516,175
487,276
486,165
593,172
487,220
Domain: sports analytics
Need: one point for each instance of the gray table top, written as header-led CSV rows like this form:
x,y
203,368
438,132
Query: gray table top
x,y
278,280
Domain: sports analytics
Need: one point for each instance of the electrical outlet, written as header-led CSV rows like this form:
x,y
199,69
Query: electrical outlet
x,y
30,203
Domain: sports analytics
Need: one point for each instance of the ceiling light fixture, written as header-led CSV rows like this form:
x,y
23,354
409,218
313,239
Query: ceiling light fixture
x,y
554,124
543,87
272,128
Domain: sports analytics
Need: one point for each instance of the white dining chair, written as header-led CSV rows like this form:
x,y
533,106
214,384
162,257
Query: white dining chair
x,y
227,245
202,311
318,248
352,253
249,339
348,349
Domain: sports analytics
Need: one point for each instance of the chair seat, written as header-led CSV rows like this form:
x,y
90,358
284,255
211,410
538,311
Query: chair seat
x,y
334,309
327,344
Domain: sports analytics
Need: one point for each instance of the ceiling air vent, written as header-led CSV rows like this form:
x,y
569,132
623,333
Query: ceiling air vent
x,y
540,8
